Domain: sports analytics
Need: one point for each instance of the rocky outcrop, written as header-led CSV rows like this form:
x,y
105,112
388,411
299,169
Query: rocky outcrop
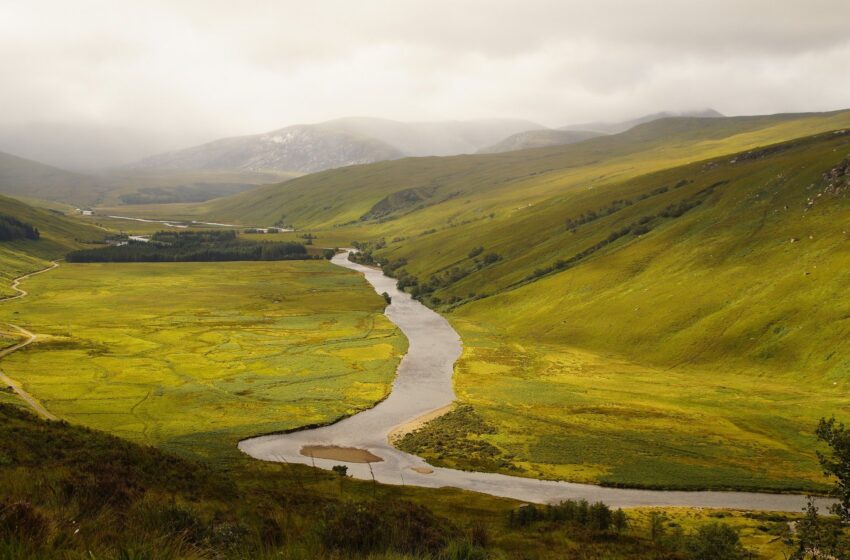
x,y
837,179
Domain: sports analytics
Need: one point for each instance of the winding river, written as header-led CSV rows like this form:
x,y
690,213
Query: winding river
x,y
423,385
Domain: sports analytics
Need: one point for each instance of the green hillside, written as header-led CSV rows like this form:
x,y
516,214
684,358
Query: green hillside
x,y
59,235
539,139
700,353
452,190
110,498
27,178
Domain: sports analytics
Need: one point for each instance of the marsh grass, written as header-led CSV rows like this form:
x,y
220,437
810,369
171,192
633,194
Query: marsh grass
x,y
195,356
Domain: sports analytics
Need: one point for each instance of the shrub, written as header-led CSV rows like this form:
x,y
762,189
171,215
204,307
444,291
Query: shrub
x,y
715,541
596,517
174,520
464,550
21,521
384,526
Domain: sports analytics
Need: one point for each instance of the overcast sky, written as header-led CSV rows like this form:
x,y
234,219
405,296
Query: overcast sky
x,y
194,70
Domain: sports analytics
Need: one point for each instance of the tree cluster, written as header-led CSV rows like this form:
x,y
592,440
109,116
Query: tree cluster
x,y
193,246
596,517
642,226
615,206
12,228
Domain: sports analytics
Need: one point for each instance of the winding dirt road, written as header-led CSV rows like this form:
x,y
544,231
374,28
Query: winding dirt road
x,y
29,338
424,385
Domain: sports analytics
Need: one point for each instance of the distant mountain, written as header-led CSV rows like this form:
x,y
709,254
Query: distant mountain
x,y
27,178
539,139
444,138
617,127
24,178
349,141
85,147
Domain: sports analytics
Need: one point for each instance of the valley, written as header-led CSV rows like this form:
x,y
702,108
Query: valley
x,y
539,280
701,381
620,340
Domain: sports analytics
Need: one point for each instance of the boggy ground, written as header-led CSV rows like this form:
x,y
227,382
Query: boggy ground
x,y
196,356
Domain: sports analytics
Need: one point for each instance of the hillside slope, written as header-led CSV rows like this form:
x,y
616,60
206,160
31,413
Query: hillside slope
x,y
604,127
470,188
539,139
692,338
59,235
70,492
27,178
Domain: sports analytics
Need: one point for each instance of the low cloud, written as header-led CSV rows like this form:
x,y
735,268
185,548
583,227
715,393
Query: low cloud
x,y
186,71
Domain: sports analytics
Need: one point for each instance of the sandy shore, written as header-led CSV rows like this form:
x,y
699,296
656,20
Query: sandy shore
x,y
403,429
337,453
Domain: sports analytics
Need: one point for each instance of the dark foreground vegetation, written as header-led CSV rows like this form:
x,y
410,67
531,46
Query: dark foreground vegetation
x,y
12,228
193,246
72,493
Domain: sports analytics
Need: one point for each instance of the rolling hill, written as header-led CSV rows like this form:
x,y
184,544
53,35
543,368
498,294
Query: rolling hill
x,y
539,139
23,177
58,235
500,183
616,127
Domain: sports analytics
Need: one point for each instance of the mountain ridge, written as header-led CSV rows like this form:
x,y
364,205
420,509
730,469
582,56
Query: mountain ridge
x,y
615,127
309,148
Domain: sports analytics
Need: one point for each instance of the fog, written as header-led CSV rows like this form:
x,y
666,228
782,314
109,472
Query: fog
x,y
95,82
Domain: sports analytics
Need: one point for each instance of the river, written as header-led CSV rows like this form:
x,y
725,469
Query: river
x,y
424,384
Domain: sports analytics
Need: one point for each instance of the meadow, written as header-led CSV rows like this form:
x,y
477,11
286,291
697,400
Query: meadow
x,y
59,234
195,356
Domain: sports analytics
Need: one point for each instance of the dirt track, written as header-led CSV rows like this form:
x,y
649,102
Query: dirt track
x,y
29,338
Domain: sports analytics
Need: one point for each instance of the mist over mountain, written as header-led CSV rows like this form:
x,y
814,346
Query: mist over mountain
x,y
86,147
622,126
543,138
539,139
338,143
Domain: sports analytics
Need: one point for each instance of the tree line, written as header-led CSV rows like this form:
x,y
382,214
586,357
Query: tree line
x,y
12,228
193,246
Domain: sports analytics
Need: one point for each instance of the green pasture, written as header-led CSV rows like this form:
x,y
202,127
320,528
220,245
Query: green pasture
x,y
199,355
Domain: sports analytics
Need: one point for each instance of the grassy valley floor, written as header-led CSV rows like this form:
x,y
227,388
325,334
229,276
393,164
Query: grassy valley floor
x,y
195,356
547,411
